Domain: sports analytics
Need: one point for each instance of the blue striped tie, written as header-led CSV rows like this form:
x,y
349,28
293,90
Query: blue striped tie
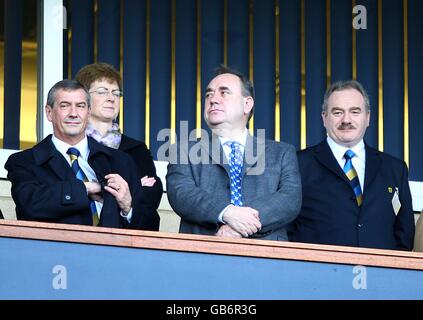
x,y
74,154
352,176
235,169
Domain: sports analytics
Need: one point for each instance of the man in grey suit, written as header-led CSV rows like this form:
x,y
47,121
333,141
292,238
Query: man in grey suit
x,y
233,184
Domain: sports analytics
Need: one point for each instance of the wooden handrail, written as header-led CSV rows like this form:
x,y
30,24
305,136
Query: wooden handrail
x,y
210,244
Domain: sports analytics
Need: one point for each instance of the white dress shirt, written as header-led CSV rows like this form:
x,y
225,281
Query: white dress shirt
x,y
359,161
241,139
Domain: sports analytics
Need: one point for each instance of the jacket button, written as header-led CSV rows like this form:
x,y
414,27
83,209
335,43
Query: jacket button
x,y
360,225
67,197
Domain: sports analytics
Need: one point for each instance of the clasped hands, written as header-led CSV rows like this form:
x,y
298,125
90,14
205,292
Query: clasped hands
x,y
116,186
240,222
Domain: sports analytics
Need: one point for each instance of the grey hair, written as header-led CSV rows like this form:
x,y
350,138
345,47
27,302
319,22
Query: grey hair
x,y
66,85
345,85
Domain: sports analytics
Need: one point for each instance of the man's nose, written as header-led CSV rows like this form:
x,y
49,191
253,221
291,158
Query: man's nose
x,y
346,118
214,99
72,111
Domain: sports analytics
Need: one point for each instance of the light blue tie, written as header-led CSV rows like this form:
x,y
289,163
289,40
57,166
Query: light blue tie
x,y
74,154
352,176
235,169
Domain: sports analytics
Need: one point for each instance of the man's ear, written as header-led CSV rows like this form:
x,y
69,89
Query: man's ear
x,y
248,104
49,109
324,116
368,118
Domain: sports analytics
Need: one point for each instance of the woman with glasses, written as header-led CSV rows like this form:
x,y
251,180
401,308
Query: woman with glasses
x,y
104,84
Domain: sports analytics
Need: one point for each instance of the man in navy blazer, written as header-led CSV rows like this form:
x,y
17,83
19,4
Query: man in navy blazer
x,y
45,187
210,195
374,211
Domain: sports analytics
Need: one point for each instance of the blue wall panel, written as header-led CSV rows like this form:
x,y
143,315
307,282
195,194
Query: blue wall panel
x,y
367,66
82,34
264,66
160,69
134,67
108,28
315,36
415,66
393,77
238,35
211,42
186,62
341,39
290,70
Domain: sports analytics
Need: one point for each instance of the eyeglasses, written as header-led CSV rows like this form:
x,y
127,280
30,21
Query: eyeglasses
x,y
105,92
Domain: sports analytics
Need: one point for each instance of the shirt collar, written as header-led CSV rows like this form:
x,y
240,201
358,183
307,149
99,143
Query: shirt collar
x,y
241,139
63,147
339,151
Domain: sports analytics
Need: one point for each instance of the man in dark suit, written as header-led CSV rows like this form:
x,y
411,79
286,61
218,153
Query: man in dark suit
x,y
353,195
69,178
227,191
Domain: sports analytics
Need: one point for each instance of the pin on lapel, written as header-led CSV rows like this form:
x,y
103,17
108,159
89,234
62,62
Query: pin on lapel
x,y
390,189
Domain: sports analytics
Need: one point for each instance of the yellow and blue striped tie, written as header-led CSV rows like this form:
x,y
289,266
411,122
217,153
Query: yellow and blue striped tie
x,y
74,154
352,176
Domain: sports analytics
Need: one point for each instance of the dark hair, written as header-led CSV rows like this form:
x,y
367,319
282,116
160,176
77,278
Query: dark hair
x,y
247,88
97,71
66,85
345,85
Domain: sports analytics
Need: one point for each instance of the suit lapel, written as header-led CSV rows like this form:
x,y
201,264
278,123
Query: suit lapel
x,y
60,167
324,155
99,160
372,166
214,150
46,153
254,150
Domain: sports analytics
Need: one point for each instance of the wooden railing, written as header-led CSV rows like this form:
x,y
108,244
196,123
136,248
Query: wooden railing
x,y
213,245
